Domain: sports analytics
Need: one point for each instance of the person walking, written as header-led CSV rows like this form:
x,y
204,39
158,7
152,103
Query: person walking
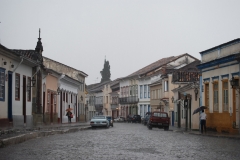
x,y
69,114
203,118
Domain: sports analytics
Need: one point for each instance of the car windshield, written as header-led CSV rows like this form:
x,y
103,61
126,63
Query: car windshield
x,y
99,117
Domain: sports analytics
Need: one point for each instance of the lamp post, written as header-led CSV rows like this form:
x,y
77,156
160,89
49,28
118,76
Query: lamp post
x,y
172,99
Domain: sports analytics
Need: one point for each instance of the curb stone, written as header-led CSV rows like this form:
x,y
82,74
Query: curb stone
x,y
24,137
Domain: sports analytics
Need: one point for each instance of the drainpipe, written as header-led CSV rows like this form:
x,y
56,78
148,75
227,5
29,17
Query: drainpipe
x,y
18,65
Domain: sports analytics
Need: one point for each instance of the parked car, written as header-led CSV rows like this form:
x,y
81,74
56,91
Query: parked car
x,y
120,119
134,118
129,118
98,121
109,118
159,120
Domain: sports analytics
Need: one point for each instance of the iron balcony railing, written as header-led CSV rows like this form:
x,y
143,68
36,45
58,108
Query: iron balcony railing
x,y
184,76
128,100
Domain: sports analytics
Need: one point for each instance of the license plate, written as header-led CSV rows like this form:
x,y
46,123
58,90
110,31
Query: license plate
x,y
159,123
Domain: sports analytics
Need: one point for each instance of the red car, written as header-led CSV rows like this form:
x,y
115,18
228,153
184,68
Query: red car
x,y
158,120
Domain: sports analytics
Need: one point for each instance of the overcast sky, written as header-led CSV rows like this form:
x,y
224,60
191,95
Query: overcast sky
x,y
130,33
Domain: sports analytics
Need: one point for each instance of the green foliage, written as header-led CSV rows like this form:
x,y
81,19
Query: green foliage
x,y
105,72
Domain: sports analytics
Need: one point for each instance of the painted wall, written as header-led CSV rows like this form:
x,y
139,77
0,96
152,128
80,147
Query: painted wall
x,y
4,104
23,70
221,120
67,88
222,52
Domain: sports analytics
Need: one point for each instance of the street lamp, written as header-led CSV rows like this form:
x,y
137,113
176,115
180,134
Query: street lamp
x,y
235,84
196,93
172,99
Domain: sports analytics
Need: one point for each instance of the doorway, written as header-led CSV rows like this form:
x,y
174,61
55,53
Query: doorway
x,y
51,109
10,96
179,115
24,99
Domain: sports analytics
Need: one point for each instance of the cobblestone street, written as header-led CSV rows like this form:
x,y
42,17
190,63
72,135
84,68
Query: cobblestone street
x,y
124,141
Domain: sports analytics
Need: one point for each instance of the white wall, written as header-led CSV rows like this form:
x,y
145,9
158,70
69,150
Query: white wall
x,y
17,105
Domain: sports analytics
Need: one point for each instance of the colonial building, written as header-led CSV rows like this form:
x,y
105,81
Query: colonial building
x,y
161,83
128,97
186,96
219,66
99,96
19,75
50,96
76,79
114,98
90,96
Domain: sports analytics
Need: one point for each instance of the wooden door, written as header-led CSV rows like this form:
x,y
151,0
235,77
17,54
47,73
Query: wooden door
x,y
234,108
51,109
24,98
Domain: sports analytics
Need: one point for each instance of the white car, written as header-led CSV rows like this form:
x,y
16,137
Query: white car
x,y
119,119
98,121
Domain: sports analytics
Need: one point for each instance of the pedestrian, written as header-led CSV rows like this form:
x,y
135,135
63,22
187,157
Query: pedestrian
x,y
203,118
69,114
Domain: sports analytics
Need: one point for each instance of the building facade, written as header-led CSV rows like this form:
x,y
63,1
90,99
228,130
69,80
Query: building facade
x,y
219,66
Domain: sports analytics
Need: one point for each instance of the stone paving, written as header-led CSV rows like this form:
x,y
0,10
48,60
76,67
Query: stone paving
x,y
124,141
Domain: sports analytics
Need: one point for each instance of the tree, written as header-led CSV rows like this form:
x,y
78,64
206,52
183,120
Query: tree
x,y
105,72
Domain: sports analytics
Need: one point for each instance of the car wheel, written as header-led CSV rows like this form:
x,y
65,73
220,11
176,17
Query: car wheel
x,y
166,128
149,127
107,126
112,125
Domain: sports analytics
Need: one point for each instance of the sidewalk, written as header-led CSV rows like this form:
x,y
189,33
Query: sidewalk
x,y
209,134
9,136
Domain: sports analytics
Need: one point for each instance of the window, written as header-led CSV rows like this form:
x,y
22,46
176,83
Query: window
x,y
17,86
63,96
131,87
2,84
107,99
136,89
207,95
215,96
29,89
148,91
153,94
141,89
67,97
155,114
71,98
165,86
225,96
145,91
55,103
48,101
176,117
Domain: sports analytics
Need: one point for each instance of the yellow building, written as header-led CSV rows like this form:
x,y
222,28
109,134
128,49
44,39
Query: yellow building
x,y
218,66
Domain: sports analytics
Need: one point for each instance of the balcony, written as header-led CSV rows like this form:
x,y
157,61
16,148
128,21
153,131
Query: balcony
x,y
184,76
128,100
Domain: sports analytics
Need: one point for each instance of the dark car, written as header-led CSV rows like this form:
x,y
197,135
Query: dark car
x,y
136,118
129,118
109,118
